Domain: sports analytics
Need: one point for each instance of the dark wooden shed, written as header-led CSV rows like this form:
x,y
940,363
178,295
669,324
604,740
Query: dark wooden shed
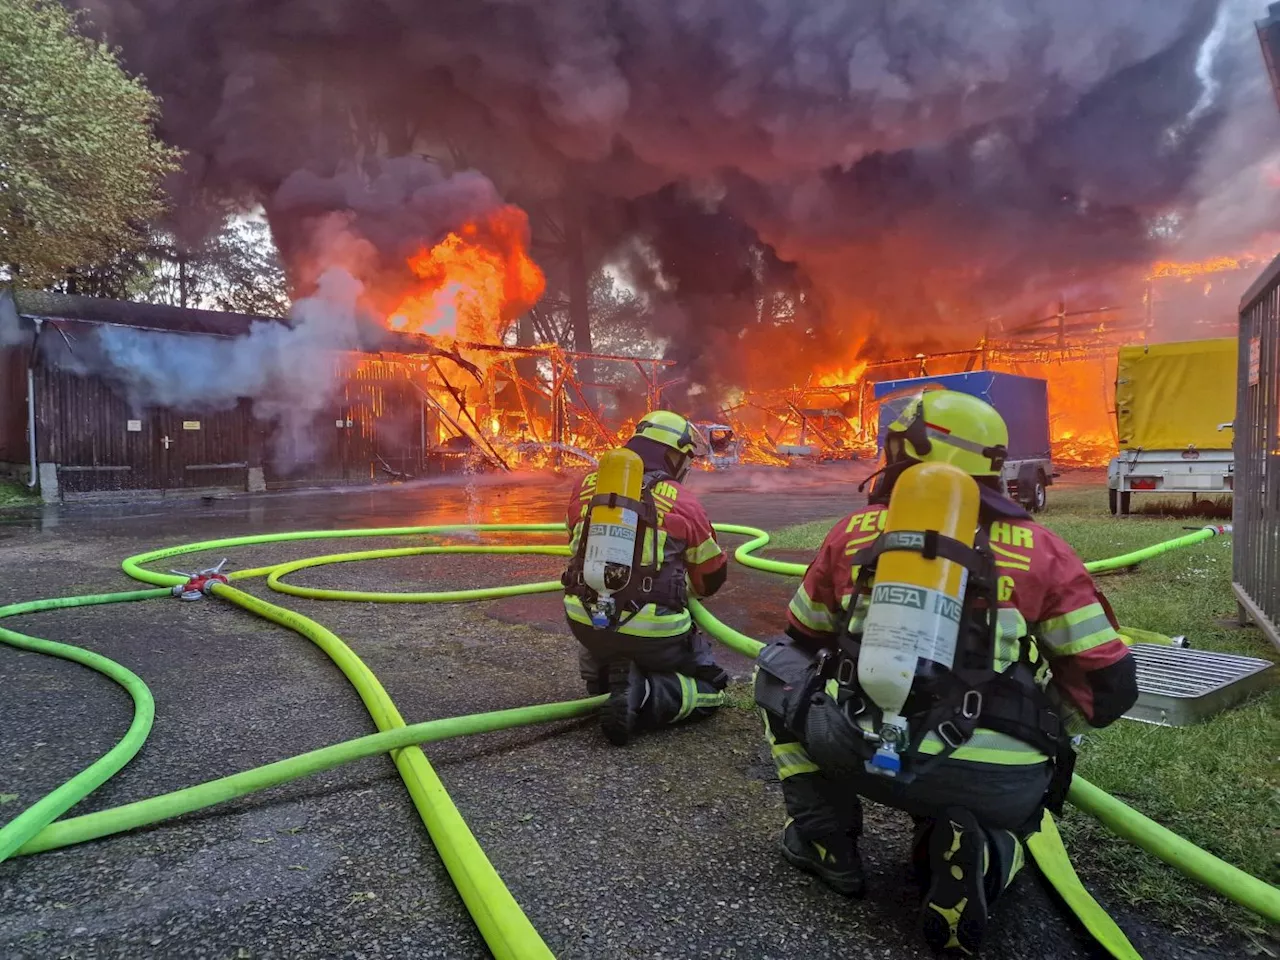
x,y
91,439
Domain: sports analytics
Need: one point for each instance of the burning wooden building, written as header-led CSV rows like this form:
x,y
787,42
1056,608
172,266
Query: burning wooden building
x,y
386,405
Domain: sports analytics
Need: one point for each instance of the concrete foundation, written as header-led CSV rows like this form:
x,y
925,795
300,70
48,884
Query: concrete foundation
x,y
15,472
257,482
49,483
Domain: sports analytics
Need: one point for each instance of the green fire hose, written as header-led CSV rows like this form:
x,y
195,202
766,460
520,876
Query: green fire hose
x,y
54,804
499,919
131,816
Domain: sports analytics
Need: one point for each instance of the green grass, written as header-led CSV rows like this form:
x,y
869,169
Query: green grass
x,y
1217,783
16,494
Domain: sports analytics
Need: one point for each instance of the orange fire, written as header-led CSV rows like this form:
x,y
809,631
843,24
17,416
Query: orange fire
x,y
474,282
1081,401
1169,268
842,375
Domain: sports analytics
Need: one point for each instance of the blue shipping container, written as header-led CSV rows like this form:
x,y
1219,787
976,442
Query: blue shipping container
x,y
1022,401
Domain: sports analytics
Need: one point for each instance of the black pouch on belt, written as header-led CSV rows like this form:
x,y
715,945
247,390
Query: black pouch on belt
x,y
787,678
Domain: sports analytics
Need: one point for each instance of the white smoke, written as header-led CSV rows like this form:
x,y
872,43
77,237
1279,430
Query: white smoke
x,y
289,371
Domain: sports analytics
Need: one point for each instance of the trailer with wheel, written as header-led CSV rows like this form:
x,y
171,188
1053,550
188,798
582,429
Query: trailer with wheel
x,y
1024,404
1175,403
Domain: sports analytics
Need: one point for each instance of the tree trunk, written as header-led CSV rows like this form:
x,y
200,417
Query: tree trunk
x,y
182,278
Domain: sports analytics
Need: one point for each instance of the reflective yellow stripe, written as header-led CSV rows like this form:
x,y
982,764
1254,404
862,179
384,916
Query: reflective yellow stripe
x,y
688,696
1097,639
987,746
850,547
1017,560
707,550
1077,631
791,760
1011,627
646,623
646,547
816,616
711,699
1010,565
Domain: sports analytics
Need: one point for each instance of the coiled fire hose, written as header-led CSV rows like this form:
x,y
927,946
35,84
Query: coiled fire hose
x,y
499,919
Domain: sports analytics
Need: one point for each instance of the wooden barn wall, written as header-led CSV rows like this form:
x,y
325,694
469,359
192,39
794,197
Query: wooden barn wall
x,y
84,426
13,404
371,430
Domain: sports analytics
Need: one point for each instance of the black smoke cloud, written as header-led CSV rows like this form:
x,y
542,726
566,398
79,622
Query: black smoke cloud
x,y
910,164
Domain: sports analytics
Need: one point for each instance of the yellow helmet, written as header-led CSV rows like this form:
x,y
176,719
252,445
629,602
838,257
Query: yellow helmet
x,y
674,431
944,426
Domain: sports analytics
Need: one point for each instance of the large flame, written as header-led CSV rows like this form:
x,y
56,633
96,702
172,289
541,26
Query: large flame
x,y
474,282
1196,268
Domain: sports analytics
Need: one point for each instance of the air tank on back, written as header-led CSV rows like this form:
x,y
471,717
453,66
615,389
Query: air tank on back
x,y
916,602
611,530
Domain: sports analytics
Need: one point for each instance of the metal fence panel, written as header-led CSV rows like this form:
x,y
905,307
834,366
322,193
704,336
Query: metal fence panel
x,y
1256,521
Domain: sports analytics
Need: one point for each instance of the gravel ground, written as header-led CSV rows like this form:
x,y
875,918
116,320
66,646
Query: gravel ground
x,y
664,849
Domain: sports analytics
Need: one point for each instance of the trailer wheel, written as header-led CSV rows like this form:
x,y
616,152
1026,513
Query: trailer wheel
x,y
1124,503
1111,500
1040,496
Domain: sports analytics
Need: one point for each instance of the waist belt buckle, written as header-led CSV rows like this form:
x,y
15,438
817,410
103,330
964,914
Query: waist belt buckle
x,y
971,706
950,734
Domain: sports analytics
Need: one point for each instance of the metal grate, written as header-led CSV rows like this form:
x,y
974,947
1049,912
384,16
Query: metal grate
x,y
1178,687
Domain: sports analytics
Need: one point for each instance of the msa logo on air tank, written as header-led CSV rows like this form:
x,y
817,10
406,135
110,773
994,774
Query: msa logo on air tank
x,y
903,595
899,595
904,540
610,530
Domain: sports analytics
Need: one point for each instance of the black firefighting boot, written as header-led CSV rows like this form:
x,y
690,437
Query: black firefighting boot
x,y
628,690
954,913
835,862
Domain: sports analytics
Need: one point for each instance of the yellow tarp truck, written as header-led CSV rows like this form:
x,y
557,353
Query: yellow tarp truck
x,y
1175,403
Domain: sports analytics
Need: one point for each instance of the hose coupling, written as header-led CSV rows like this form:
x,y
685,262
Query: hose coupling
x,y
199,583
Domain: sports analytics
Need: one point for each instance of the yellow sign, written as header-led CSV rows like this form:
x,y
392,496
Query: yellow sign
x,y
190,424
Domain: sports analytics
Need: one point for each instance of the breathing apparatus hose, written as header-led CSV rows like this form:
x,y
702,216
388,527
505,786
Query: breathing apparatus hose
x,y
500,920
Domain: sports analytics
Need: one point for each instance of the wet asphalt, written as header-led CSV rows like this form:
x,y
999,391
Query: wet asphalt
x,y
667,848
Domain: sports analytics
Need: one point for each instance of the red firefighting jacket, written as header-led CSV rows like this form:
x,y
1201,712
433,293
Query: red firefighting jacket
x,y
686,544
1044,592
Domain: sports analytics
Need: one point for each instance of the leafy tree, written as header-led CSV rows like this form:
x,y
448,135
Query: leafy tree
x,y
234,268
79,162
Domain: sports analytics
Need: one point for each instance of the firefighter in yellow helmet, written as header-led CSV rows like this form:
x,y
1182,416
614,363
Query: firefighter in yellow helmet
x,y
650,658
986,741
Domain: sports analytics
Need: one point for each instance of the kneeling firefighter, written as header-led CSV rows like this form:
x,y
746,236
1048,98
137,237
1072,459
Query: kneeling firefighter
x,y
640,541
941,652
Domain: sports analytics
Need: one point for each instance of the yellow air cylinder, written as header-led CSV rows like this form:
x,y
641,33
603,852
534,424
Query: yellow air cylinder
x,y
611,530
916,602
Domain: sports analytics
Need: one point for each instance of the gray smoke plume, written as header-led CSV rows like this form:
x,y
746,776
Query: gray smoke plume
x,y
289,371
908,167
291,362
